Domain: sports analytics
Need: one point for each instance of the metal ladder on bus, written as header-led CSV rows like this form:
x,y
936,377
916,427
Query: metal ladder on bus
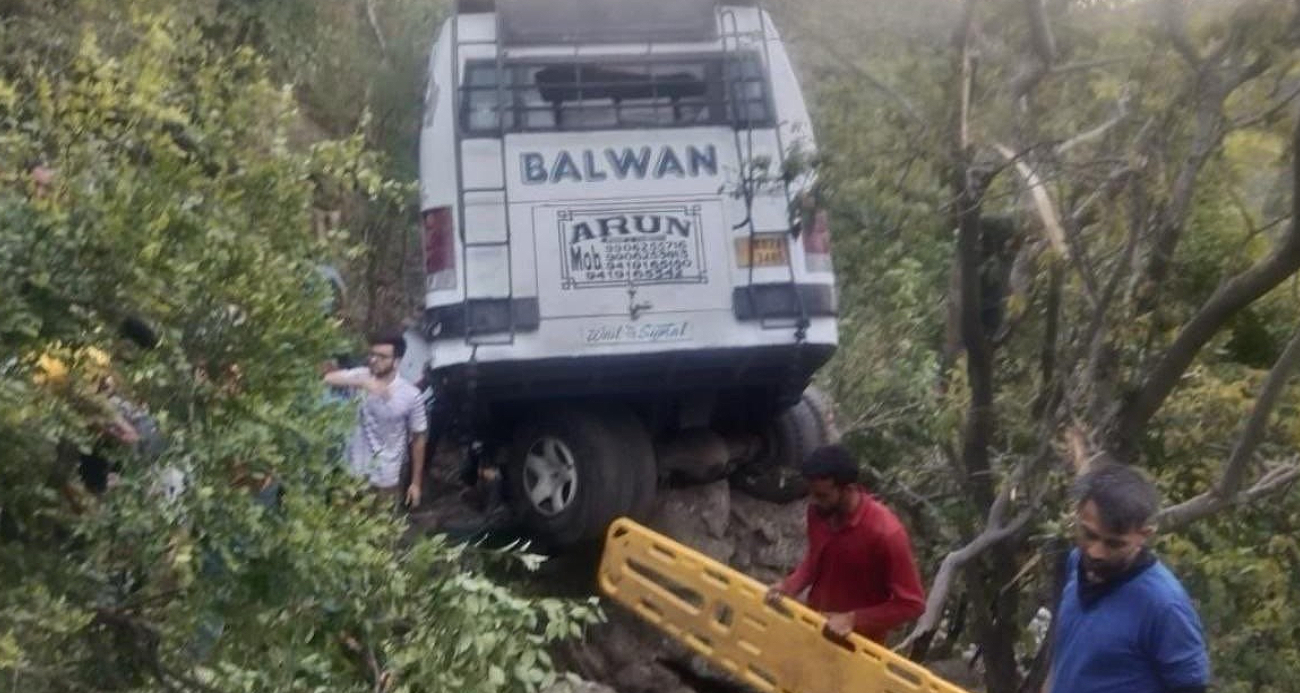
x,y
732,48
729,27
720,614
502,111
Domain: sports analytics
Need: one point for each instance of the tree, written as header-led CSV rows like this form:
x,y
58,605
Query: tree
x,y
1122,314
147,172
358,66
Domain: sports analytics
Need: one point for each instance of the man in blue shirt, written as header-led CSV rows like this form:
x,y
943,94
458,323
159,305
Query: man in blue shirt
x,y
1125,624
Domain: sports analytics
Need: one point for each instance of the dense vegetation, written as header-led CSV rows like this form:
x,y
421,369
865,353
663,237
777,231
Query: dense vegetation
x,y
153,166
1063,228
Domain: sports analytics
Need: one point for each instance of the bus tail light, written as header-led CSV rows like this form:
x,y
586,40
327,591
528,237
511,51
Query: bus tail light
x,y
817,243
439,249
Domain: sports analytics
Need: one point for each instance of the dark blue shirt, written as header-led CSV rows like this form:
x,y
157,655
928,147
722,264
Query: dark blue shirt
x,y
1142,636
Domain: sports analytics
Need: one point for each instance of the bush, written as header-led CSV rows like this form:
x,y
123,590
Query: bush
x,y
145,171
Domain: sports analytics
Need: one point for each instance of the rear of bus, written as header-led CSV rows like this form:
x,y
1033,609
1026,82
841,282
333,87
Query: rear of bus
x,y
609,204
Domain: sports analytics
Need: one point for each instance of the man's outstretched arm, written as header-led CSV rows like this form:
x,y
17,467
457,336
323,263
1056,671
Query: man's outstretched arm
x,y
357,379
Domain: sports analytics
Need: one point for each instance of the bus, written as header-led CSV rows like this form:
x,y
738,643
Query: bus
x,y
628,278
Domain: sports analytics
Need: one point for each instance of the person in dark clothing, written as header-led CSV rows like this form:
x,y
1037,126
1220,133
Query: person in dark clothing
x,y
859,568
1125,624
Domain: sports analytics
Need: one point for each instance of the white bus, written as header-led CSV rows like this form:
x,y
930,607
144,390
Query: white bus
x,y
625,278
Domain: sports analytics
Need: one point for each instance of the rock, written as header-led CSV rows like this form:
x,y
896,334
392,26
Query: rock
x,y
768,538
958,672
586,659
645,677
626,639
764,540
698,455
773,483
699,675
577,685
629,655
698,517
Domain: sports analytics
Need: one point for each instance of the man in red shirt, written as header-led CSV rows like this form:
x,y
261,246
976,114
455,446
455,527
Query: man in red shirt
x,y
859,569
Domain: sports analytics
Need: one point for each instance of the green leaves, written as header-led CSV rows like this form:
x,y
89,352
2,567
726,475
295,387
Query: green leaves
x,y
176,196
1145,154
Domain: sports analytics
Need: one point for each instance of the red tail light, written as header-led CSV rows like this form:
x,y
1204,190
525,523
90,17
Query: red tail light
x,y
439,249
817,243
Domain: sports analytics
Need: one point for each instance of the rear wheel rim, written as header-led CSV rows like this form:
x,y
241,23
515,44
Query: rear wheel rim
x,y
550,476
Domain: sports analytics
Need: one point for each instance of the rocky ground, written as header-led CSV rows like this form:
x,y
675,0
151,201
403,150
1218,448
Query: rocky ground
x,y
625,655
760,539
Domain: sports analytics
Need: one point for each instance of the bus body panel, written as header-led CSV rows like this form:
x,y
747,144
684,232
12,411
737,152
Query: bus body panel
x,y
620,241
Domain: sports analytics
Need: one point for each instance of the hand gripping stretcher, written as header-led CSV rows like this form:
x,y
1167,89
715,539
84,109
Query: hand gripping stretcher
x,y
720,614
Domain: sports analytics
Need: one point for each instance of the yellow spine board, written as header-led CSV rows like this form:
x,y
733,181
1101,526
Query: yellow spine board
x,y
720,613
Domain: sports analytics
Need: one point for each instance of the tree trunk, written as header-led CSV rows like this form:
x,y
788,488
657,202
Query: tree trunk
x,y
995,614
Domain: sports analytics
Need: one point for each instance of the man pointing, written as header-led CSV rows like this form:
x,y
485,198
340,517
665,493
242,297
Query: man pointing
x,y
392,426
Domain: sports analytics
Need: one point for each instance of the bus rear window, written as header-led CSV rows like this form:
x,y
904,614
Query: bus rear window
x,y
623,94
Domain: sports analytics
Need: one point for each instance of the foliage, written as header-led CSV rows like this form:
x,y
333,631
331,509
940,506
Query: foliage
x,y
357,66
1240,568
1139,138
148,169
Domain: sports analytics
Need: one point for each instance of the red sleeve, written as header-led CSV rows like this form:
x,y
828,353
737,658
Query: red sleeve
x,y
907,597
802,576
806,571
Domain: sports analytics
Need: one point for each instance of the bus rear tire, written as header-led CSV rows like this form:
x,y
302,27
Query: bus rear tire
x,y
787,441
573,470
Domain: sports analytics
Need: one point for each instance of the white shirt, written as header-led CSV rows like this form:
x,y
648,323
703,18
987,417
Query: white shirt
x,y
380,443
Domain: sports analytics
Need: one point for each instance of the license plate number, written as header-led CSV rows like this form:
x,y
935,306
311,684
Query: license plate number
x,y
763,250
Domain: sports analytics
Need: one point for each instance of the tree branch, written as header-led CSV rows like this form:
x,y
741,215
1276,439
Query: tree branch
x,y
1096,334
1049,385
1101,299
1268,113
1172,221
1226,491
375,669
904,104
965,73
997,529
1256,68
1235,295
1257,424
980,415
1176,29
373,18
1040,30
1042,201
1098,132
1116,177
1083,65
1176,517
941,589
1016,319
1044,50
1215,80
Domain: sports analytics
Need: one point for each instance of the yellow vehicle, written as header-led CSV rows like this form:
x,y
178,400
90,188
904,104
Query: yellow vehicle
x,y
720,614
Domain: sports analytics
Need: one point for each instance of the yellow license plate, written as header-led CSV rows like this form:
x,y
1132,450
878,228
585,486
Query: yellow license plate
x,y
763,250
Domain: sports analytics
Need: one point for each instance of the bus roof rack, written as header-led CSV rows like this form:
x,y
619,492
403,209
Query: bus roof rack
x,y
525,22
480,6
475,6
